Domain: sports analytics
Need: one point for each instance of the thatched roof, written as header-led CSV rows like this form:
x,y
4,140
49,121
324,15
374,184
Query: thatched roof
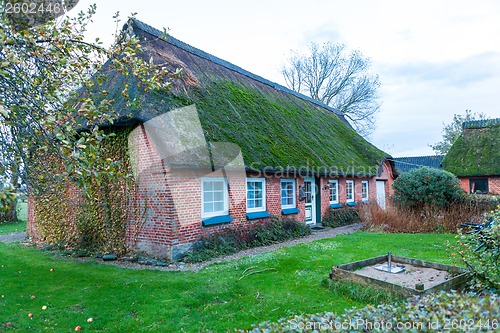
x,y
477,150
274,127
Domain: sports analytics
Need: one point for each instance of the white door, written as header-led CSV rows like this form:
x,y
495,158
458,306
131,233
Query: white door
x,y
310,200
380,184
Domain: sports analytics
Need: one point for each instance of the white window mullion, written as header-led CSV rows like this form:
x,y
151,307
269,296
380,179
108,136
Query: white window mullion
x,y
364,191
287,187
256,194
349,188
214,196
334,191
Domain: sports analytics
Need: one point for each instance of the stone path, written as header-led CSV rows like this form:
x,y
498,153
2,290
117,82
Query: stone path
x,y
13,237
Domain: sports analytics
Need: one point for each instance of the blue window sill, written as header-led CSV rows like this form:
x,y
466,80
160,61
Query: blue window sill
x,y
216,220
337,205
257,215
351,204
290,211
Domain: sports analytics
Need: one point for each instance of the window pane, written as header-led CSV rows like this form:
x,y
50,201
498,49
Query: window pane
x,y
218,206
349,190
208,208
218,186
364,190
287,193
218,196
213,196
208,196
208,186
255,194
250,195
333,192
479,186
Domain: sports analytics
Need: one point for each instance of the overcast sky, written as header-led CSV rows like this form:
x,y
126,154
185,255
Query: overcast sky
x,y
435,58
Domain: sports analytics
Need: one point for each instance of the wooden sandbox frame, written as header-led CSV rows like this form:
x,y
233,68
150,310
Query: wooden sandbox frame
x,y
347,272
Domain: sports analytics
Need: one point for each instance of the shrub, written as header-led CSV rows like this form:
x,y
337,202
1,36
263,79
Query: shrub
x,y
480,252
427,188
440,312
341,216
230,240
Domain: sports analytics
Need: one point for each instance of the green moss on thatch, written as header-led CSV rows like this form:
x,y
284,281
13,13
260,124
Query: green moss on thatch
x,y
274,132
475,153
274,129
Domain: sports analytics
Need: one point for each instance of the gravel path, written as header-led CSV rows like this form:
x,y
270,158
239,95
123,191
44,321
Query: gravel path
x,y
13,237
326,233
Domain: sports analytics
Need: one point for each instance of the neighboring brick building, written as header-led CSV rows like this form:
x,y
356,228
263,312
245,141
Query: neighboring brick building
x,y
475,157
226,147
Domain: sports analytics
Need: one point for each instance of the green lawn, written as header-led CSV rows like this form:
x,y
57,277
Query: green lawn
x,y
123,300
8,227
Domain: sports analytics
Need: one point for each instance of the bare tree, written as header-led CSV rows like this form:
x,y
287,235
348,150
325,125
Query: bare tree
x,y
337,78
451,132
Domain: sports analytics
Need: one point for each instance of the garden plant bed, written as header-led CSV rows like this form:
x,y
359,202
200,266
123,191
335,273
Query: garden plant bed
x,y
419,276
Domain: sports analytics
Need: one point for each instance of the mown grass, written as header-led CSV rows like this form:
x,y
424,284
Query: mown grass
x,y
8,227
216,298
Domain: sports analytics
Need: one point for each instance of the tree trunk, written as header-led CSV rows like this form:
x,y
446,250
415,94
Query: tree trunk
x,y
10,215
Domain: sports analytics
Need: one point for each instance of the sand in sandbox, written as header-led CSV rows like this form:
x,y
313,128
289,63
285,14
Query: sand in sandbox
x,y
411,276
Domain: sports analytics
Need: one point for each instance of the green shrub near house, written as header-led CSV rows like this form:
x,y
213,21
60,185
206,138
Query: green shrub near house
x,y
230,240
427,189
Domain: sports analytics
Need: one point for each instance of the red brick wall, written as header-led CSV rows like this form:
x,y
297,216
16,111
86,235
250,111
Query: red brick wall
x,y
386,175
464,183
151,212
493,184
172,200
31,226
165,214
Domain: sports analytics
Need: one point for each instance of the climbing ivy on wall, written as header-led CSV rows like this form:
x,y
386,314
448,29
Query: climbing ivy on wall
x,y
91,218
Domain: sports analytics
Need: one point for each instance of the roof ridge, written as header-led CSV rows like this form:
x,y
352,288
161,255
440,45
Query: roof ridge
x,y
436,156
191,49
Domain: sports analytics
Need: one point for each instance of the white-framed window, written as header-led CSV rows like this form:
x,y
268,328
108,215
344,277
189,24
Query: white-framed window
x,y
214,197
364,191
334,191
256,194
349,190
287,193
